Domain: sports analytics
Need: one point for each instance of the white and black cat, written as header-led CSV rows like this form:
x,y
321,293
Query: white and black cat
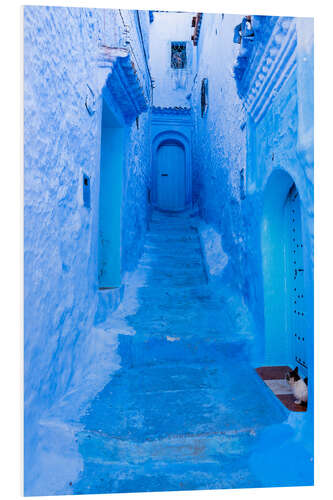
x,y
299,386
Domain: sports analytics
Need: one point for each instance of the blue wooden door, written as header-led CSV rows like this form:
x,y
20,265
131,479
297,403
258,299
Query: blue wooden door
x,y
171,177
295,280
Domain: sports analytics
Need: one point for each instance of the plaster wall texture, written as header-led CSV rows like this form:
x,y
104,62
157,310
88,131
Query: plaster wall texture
x,y
282,141
228,139
267,152
67,356
172,86
219,138
234,155
62,141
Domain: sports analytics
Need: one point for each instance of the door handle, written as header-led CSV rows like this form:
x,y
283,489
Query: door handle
x,y
164,175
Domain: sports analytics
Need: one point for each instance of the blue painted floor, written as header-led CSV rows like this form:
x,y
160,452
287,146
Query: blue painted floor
x,y
186,411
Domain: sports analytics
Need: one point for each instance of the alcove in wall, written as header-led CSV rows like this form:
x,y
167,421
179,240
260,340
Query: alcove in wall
x,y
111,170
283,273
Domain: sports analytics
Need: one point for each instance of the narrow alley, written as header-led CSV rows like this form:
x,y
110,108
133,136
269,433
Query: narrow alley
x,y
168,250
184,410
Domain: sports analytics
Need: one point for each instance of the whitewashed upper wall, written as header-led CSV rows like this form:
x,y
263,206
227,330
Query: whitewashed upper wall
x,y
172,86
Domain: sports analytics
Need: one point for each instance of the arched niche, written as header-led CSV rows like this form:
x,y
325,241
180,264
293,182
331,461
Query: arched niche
x,y
171,160
283,273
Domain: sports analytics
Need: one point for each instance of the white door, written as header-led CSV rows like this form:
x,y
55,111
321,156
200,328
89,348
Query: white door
x,y
171,177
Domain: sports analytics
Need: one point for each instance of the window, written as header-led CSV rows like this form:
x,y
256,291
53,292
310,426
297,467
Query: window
x,y
178,55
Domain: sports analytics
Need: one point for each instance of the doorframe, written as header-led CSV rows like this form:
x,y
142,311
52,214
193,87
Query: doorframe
x,y
299,356
278,341
183,141
119,127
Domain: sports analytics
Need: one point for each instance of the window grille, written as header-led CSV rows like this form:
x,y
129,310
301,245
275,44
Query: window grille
x,y
178,55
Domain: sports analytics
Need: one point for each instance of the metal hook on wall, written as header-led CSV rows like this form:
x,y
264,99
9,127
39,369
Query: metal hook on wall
x,y
90,101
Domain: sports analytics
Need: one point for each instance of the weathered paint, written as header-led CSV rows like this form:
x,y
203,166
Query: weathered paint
x,y
186,411
172,85
66,359
144,383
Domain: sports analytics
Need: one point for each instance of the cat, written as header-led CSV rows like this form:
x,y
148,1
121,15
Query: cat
x,y
299,386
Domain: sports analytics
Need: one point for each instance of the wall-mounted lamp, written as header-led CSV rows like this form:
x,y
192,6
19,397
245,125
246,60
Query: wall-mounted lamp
x,y
244,30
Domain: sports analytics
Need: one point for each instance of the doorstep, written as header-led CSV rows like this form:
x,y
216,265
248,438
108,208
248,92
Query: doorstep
x,y
274,378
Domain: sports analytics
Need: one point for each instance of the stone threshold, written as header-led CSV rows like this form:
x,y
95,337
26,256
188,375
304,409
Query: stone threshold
x,y
274,378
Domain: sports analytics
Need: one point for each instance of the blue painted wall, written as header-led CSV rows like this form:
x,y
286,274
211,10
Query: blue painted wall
x,y
172,86
253,140
246,133
62,55
274,145
219,149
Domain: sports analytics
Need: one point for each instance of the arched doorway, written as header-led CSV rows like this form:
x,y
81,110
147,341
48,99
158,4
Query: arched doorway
x,y
283,273
171,176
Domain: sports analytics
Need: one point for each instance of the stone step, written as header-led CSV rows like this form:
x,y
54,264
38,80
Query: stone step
x,y
163,280
186,295
181,448
183,247
170,268
148,403
174,261
173,264
184,280
176,235
169,304
185,407
167,231
170,346
169,219
178,324
184,464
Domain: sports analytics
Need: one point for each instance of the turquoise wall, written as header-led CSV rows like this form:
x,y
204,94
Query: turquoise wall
x,y
110,201
62,142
